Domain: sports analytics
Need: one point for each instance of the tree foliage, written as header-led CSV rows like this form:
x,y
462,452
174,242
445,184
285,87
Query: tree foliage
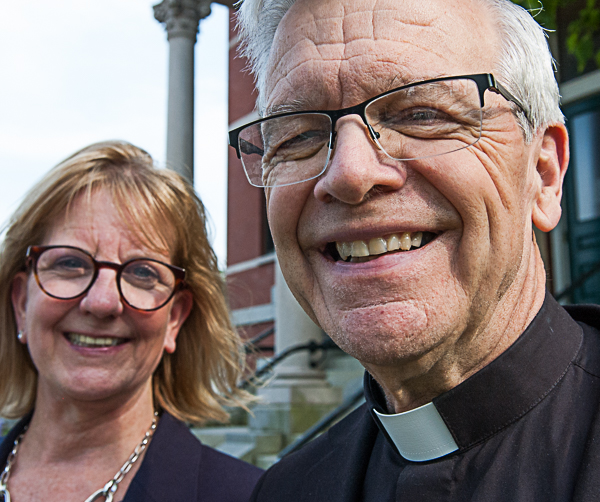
x,y
581,32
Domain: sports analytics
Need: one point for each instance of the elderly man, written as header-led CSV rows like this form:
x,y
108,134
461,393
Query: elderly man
x,y
407,149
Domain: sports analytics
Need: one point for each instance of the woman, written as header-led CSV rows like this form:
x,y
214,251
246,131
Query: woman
x,y
114,331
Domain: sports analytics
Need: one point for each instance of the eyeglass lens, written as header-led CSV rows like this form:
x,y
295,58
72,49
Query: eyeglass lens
x,y
66,273
419,121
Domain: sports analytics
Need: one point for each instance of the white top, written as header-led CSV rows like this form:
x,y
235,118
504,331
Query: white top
x,y
419,434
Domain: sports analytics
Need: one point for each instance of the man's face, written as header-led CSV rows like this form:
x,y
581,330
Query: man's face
x,y
475,203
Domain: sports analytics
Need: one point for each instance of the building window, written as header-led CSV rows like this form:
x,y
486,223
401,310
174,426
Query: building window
x,y
585,131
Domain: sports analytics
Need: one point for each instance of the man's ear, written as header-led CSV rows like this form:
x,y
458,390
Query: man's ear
x,y
551,168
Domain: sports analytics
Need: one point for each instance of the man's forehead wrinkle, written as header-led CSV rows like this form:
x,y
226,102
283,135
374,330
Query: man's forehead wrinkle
x,y
329,30
310,95
331,51
376,76
358,25
326,24
287,62
288,57
291,38
337,53
379,25
391,27
316,94
395,50
382,20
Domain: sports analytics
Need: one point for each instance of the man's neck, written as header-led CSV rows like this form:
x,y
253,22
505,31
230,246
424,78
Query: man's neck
x,y
413,383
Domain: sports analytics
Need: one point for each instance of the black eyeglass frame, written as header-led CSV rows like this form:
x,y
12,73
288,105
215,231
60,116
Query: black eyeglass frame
x,y
484,82
34,252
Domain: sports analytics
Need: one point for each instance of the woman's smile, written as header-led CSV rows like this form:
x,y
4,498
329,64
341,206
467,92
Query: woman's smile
x,y
112,348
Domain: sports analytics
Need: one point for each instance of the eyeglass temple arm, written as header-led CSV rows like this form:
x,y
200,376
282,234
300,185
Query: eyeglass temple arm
x,y
498,88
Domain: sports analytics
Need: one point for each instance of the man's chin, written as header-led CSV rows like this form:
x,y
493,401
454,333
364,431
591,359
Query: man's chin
x,y
382,335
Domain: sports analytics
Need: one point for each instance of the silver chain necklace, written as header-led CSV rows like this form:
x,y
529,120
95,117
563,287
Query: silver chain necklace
x,y
109,489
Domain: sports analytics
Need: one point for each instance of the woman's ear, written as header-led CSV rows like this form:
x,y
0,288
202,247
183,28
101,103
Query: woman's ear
x,y
180,310
551,168
18,294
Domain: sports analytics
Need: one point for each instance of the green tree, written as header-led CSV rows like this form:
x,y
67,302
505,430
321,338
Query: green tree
x,y
580,32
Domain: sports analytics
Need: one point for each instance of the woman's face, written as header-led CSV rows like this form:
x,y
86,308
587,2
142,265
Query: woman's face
x,y
72,342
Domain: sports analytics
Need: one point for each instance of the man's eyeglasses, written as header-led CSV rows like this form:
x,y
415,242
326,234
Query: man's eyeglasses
x,y
415,121
67,272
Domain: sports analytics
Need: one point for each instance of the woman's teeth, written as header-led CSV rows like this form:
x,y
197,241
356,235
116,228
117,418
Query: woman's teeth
x,y
93,341
378,245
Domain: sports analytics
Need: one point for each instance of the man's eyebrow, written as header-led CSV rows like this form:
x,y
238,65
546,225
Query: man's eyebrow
x,y
295,106
402,80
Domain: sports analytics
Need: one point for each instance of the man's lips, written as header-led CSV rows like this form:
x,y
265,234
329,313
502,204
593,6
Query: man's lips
x,y
81,340
359,251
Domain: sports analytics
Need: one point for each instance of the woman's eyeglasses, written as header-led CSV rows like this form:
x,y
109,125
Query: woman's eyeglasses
x,y
67,272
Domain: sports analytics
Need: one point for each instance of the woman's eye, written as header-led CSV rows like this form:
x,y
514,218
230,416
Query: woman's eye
x,y
143,272
146,275
70,263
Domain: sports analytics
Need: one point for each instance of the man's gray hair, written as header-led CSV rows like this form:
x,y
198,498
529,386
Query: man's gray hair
x,y
525,65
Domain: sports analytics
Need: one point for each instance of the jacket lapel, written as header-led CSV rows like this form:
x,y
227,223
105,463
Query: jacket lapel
x,y
170,468
339,475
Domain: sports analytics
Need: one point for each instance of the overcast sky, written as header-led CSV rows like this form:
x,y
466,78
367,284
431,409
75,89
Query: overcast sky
x,y
79,71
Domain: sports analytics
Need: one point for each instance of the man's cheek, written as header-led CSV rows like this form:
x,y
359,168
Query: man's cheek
x,y
284,207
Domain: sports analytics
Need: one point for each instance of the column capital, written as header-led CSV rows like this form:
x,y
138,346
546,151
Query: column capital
x,y
182,17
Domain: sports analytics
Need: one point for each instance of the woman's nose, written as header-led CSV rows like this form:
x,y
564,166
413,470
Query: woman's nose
x,y
358,166
103,298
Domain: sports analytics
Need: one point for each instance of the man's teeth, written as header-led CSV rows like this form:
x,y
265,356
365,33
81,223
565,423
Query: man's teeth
x,y
93,341
379,245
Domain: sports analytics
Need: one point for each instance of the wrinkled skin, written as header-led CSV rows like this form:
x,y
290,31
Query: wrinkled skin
x,y
421,321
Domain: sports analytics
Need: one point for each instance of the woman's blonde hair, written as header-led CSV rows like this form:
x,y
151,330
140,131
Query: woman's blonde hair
x,y
199,378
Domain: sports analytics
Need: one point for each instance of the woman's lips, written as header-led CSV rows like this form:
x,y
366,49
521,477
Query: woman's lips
x,y
86,341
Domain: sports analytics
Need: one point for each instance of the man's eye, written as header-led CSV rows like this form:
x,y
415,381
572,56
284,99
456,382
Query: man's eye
x,y
425,123
298,147
419,116
302,139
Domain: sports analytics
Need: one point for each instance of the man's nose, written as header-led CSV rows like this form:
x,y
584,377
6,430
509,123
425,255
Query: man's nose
x,y
357,166
103,298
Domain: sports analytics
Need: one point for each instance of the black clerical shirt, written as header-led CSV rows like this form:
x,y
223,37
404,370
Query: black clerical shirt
x,y
527,428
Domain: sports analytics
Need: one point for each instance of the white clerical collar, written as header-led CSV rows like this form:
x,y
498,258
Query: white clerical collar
x,y
419,434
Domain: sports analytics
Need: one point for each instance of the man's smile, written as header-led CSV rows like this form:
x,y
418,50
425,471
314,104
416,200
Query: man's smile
x,y
359,251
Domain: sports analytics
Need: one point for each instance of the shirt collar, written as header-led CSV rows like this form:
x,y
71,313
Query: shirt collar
x,y
490,400
418,434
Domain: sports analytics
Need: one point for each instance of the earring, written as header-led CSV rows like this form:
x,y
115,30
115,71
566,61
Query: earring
x,y
20,336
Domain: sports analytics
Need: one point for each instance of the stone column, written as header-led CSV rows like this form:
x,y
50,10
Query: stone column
x,y
298,395
181,19
293,327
